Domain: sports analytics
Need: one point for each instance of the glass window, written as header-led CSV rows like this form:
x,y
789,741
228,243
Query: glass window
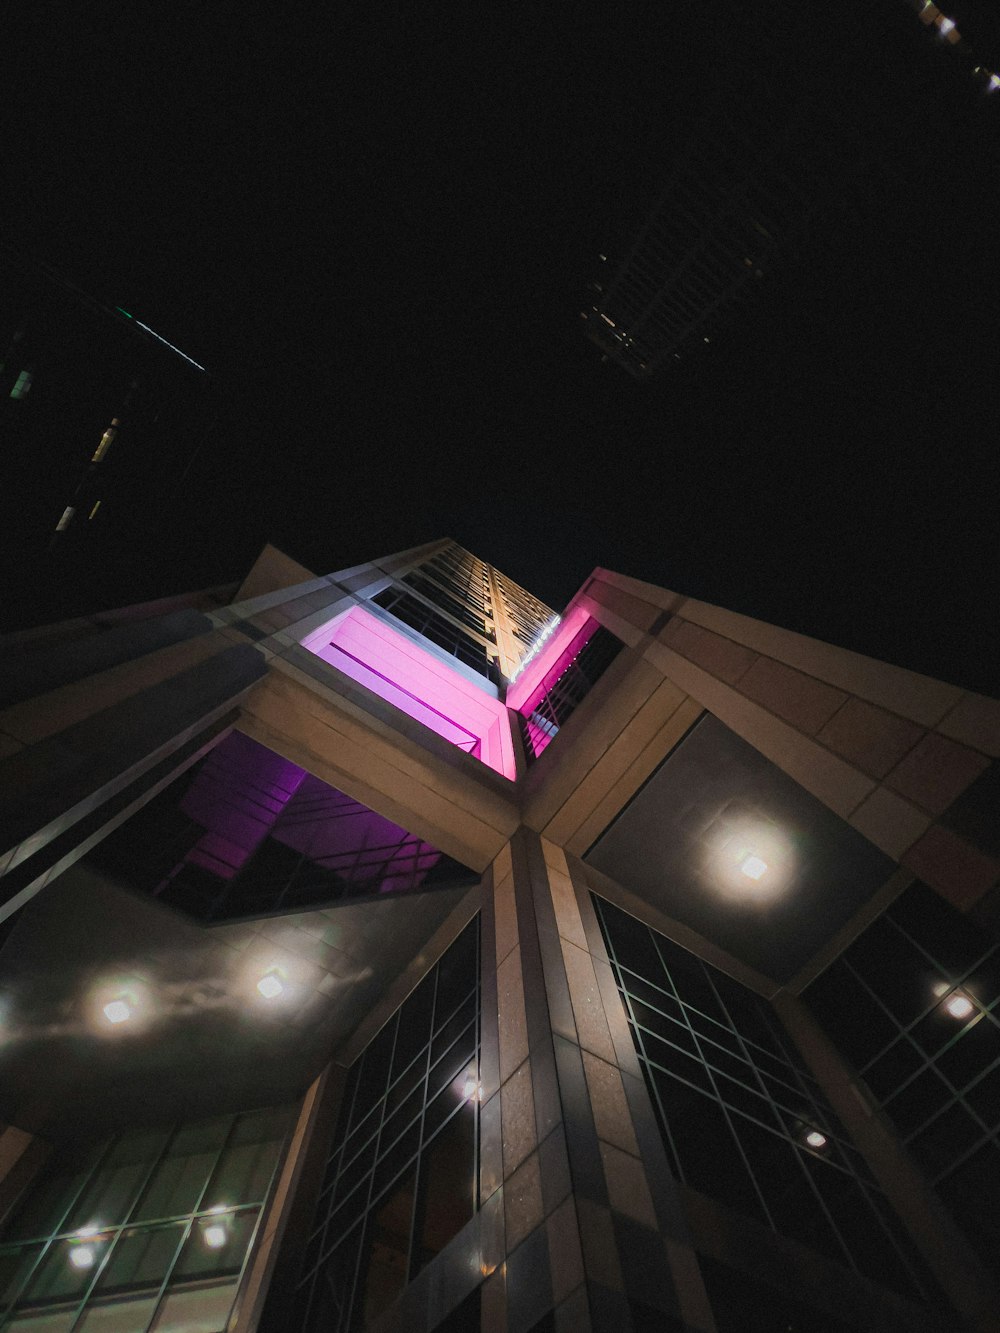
x,y
914,1002
736,1107
402,1169
128,1239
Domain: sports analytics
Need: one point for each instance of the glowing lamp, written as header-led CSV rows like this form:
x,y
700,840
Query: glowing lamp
x,y
959,1006
270,985
82,1256
815,1139
946,26
753,867
117,1011
473,1090
994,82
215,1236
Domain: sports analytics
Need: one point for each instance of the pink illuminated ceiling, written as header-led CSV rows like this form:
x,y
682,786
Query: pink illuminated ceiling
x,y
398,670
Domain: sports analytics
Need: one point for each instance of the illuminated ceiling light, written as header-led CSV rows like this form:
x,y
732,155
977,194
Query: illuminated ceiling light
x,y
82,1256
270,984
117,1011
753,867
215,1236
473,1089
815,1139
959,1006
994,82
946,26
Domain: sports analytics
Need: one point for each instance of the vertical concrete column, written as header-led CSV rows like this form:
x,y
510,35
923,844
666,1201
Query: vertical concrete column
x,y
593,1229
266,1303
249,1307
932,1228
22,1156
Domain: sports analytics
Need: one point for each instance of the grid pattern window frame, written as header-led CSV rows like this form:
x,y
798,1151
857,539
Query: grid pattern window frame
x,y
565,689
462,644
152,1224
154,852
736,1108
402,1174
914,1003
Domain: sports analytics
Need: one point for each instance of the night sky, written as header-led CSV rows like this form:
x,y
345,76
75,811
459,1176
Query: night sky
x,y
377,229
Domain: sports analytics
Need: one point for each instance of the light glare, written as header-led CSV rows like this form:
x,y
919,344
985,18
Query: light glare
x,y
117,1011
270,985
82,1256
473,1090
815,1139
753,867
959,1006
215,1236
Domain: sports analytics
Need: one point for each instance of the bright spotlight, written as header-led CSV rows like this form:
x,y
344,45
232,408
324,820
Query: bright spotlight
x,y
959,1006
753,867
270,984
82,1256
117,1011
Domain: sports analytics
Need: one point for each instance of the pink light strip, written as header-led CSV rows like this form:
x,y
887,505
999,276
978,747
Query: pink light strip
x,y
558,646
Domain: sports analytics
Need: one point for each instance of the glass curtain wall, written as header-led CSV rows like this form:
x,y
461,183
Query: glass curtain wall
x,y
401,1177
915,1004
741,1117
148,1232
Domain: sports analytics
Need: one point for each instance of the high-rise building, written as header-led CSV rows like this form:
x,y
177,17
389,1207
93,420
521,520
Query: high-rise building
x,y
102,419
381,950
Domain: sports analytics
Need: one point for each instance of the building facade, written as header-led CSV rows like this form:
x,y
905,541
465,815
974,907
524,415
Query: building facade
x,y
382,950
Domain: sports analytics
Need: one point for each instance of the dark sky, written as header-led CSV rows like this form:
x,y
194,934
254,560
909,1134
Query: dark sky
x,y
376,226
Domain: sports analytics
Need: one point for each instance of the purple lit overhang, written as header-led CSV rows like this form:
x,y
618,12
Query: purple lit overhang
x,y
398,670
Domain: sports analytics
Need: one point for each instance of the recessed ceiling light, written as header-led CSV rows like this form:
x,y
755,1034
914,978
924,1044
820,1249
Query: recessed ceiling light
x,y
117,1011
753,867
82,1256
270,985
215,1236
959,1006
815,1139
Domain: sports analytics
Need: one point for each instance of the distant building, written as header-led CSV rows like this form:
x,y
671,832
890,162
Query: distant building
x,y
381,950
100,415
730,206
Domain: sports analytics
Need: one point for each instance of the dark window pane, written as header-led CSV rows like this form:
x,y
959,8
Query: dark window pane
x,y
140,1259
972,1191
112,1192
216,1245
708,1154
447,1185
247,1164
918,1101
976,1049
182,1175
945,1139
899,1063
43,1211
984,1098
387,1246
